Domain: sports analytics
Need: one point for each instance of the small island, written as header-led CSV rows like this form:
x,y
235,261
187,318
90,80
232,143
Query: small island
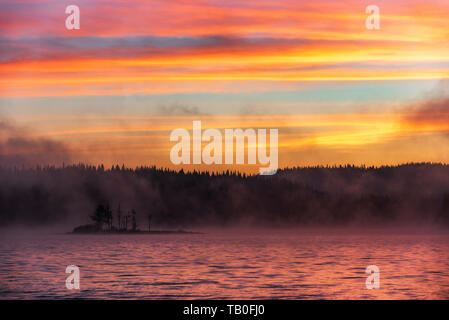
x,y
126,224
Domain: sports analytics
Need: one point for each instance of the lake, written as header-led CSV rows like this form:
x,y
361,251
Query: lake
x,y
312,264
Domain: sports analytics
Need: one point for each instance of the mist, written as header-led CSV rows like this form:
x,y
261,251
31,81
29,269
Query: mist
x,y
345,196
19,147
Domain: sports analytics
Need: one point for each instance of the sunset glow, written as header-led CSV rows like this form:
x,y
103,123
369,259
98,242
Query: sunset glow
x,y
112,91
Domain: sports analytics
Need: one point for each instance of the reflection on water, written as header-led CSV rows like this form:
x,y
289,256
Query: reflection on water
x,y
312,265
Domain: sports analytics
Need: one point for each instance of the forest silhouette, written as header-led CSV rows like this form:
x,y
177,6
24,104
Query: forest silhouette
x,y
409,194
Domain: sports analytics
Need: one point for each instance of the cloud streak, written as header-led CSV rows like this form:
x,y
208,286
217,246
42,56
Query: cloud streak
x,y
177,46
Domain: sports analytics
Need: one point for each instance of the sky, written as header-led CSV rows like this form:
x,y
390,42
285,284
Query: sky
x,y
112,91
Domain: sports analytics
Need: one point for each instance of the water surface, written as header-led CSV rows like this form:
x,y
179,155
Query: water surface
x,y
226,265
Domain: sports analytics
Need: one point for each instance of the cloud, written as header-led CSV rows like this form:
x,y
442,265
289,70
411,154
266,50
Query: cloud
x,y
179,110
19,148
98,47
433,112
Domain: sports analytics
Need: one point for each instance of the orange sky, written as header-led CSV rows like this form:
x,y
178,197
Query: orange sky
x,y
338,93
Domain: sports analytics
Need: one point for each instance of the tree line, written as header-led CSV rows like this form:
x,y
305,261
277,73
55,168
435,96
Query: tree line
x,y
414,193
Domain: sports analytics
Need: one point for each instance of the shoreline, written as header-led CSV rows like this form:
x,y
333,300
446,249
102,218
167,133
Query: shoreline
x,y
137,232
